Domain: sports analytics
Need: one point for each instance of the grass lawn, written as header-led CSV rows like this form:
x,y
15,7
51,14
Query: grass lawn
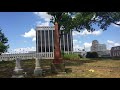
x,y
105,68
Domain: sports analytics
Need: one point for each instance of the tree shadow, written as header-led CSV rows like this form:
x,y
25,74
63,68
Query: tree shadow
x,y
77,62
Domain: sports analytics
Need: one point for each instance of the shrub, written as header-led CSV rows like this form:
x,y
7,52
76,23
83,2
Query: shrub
x,y
80,55
92,55
95,54
71,57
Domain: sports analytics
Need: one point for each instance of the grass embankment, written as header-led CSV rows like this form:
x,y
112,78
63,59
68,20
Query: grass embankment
x,y
104,68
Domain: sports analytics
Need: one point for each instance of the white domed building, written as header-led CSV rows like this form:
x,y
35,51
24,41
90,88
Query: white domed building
x,y
99,48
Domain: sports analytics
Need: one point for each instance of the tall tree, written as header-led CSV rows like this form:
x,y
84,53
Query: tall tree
x,y
81,20
3,43
84,20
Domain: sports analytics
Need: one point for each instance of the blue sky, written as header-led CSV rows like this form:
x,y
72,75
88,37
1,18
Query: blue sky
x,y
19,28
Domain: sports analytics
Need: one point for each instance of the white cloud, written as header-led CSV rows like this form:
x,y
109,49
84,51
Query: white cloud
x,y
75,33
23,50
43,15
75,41
109,41
30,34
87,46
85,32
34,39
97,32
115,24
112,44
116,44
24,41
39,23
77,47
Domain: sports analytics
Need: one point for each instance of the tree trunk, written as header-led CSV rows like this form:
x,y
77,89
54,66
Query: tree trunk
x,y
57,51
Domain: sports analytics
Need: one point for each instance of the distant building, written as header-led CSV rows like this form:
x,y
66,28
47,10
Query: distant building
x,y
99,48
115,51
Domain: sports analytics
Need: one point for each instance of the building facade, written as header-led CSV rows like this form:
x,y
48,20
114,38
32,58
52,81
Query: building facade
x,y
115,51
45,40
99,48
44,45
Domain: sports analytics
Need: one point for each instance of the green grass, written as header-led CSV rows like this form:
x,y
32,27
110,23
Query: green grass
x,y
104,68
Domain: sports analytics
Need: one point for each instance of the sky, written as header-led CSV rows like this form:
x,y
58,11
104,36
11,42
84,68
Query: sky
x,y
19,28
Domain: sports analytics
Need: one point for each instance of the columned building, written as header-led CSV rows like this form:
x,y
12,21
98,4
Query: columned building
x,y
45,40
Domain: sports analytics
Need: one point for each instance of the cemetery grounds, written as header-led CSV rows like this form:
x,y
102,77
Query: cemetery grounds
x,y
83,68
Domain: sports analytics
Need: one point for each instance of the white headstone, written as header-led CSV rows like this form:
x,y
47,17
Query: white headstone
x,y
18,66
18,69
37,63
38,70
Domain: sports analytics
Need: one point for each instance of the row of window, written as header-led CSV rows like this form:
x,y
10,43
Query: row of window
x,y
45,41
116,53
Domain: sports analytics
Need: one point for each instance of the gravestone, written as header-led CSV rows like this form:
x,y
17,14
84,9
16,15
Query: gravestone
x,y
38,69
18,71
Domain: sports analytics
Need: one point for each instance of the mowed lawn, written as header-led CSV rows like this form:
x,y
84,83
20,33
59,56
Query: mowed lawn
x,y
80,68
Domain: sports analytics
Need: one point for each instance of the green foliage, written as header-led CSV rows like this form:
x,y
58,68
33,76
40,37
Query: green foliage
x,y
3,41
95,54
63,19
3,48
80,55
85,20
71,57
62,52
92,55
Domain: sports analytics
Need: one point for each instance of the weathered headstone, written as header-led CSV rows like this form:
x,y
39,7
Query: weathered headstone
x,y
38,69
18,71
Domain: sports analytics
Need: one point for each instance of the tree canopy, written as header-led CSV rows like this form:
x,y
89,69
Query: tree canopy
x,y
3,42
85,20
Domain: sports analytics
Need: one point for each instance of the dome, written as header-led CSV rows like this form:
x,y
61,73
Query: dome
x,y
95,42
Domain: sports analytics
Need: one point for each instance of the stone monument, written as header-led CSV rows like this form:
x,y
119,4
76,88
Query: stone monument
x,y
18,71
38,69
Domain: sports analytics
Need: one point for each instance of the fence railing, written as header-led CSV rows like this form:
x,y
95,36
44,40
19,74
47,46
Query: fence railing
x,y
24,56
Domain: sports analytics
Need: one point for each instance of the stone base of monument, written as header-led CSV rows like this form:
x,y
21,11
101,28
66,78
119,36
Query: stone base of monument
x,y
18,73
68,70
56,68
38,72
17,76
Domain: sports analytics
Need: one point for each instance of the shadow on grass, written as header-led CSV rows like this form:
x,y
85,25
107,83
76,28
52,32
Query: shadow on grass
x,y
6,69
77,62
